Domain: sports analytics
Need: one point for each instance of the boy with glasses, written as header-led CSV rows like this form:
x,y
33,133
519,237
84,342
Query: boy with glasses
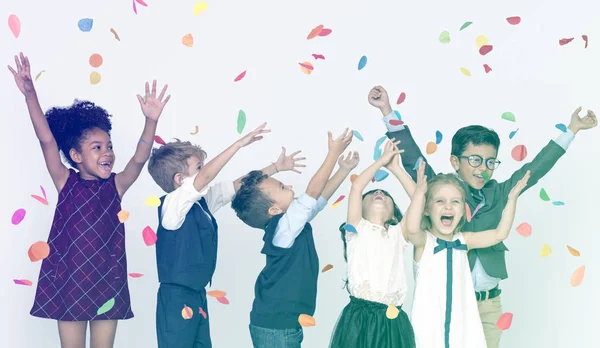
x,y
473,156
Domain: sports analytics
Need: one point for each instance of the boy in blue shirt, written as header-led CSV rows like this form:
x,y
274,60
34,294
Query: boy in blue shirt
x,y
287,285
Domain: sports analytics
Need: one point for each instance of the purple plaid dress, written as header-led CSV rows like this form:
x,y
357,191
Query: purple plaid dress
x,y
87,265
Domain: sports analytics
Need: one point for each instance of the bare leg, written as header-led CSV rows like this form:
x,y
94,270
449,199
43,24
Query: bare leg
x,y
102,333
72,333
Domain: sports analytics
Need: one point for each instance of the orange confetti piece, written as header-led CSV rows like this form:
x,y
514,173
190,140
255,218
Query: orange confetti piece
x,y
115,34
431,147
315,32
223,300
353,177
326,268
38,251
187,312
216,293
149,236
188,40
123,216
505,321
306,320
306,68
524,229
573,251
95,60
577,276
136,275
392,312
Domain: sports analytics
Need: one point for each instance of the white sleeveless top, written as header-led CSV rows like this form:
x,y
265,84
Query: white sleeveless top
x,y
376,263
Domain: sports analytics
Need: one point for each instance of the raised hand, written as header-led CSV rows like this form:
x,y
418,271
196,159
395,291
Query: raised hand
x,y
421,179
152,106
586,122
339,145
519,186
23,75
378,97
289,162
253,136
390,149
350,162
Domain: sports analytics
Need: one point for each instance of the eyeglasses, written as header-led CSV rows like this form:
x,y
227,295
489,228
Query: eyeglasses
x,y
476,160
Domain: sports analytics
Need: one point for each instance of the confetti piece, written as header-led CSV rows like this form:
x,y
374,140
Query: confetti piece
x,y
585,38
485,176
509,116
544,196
306,320
546,250
396,122
195,130
465,25
338,201
85,24
136,275
519,153
468,212
123,215
240,76
401,98
505,321
352,177
187,312
39,74
563,42
350,228
431,148
95,78
392,312
200,7
141,2
397,114
188,40
561,127
514,20
512,134
573,251
362,62
149,236
315,32
577,276
95,60
465,71
438,137
43,200
326,268
417,163
106,307
487,68
380,175
357,135
134,7
223,300
318,56
444,37
14,24
202,312
159,140
377,152
115,34
18,216
306,68
558,203
152,201
241,121
216,293
524,229
485,49
481,40
325,32
38,251
22,282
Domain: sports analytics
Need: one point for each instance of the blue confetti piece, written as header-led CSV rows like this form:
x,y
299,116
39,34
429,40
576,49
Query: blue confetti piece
x,y
512,134
362,62
558,203
561,127
398,115
438,137
377,152
85,24
417,163
357,135
350,228
380,175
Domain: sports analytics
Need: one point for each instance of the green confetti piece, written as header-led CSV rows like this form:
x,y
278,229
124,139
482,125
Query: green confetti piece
x,y
509,116
106,307
241,121
544,196
485,176
444,37
465,25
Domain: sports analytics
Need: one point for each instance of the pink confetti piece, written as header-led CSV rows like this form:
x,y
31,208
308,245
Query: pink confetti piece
x,y
487,68
159,140
141,2
18,216
240,76
468,212
325,32
136,275
505,321
585,38
485,49
318,56
134,7
223,300
43,200
563,42
14,24
514,20
22,282
396,122
202,312
401,98
524,229
149,236
306,66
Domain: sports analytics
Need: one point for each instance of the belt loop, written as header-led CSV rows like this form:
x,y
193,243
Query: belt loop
x,y
487,295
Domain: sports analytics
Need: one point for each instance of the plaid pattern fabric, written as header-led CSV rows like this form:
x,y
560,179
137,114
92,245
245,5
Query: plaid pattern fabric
x,y
87,265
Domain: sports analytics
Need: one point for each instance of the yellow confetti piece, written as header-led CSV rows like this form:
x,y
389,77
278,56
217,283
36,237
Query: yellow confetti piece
x,y
306,320
392,312
307,68
573,252
39,74
335,205
123,216
200,7
95,78
577,276
481,40
187,312
465,71
152,201
546,250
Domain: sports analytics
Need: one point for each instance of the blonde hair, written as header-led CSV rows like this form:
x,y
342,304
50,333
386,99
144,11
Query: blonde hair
x,y
432,186
170,159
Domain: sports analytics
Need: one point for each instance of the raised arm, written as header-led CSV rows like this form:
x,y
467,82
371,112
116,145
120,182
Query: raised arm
x,y
282,164
346,166
58,171
411,223
152,108
488,238
406,181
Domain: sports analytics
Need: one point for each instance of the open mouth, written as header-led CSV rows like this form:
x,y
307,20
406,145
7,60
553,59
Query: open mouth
x,y
106,165
478,178
379,197
447,220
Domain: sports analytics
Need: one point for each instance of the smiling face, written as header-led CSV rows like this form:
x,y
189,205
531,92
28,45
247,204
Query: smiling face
x,y
378,206
472,171
445,209
96,158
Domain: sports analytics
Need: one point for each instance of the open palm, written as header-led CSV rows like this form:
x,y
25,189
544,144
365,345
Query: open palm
x,y
23,75
289,162
152,106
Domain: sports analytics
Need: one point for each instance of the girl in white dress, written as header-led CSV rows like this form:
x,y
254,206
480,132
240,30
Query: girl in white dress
x,y
374,243
444,312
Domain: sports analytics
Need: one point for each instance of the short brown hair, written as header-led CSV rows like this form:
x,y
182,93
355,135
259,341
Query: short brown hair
x,y
170,159
432,186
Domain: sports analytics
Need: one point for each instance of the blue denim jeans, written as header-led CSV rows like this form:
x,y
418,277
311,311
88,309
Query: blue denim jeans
x,y
276,338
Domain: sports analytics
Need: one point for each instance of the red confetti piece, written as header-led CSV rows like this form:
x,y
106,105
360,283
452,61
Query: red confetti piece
x,y
223,300
485,49
149,236
514,20
159,140
315,32
505,321
524,229
18,216
487,68
341,198
202,312
240,76
22,282
307,66
519,153
401,98
318,56
396,122
563,42
325,32
585,38
136,275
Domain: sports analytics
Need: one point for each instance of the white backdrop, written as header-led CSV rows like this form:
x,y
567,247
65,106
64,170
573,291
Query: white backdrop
x,y
533,76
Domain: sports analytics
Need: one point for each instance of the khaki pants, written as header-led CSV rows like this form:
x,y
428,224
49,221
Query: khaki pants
x,y
489,312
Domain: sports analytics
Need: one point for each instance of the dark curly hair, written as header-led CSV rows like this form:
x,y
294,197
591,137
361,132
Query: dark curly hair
x,y
250,203
70,125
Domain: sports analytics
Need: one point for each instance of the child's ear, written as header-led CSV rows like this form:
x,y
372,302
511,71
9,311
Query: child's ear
x,y
178,178
454,161
75,156
274,210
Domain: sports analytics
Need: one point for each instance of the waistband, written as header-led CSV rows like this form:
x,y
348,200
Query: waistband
x,y
369,304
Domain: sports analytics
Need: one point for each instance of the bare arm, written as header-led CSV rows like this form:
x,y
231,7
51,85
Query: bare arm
x,y
282,164
405,179
357,189
414,213
346,166
336,148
